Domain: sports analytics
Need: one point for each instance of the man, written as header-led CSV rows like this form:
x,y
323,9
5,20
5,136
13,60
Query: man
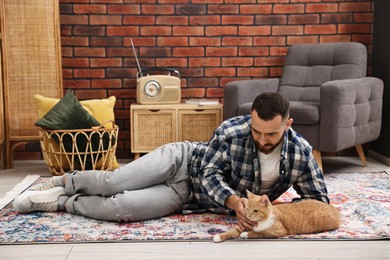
x,y
259,152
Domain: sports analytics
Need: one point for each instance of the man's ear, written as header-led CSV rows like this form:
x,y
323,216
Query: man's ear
x,y
289,123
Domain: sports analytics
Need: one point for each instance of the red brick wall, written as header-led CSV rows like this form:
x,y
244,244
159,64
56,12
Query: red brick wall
x,y
211,42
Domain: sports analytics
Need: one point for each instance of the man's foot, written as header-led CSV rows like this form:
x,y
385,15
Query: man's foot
x,y
56,181
33,200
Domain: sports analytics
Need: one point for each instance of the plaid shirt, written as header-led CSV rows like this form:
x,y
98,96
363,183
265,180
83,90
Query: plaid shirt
x,y
228,164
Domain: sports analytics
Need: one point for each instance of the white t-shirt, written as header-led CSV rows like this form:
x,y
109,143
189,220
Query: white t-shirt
x,y
270,168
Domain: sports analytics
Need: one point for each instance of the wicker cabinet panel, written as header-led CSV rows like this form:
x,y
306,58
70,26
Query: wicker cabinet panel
x,y
198,124
152,128
155,125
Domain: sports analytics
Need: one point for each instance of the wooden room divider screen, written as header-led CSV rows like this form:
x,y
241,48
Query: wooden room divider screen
x,y
31,64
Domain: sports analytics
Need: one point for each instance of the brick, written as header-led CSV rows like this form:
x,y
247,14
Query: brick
x,y
237,41
222,9
270,19
191,72
240,1
188,30
205,20
193,92
144,62
355,7
172,20
288,8
157,9
139,19
74,41
106,83
237,62
252,72
105,62
320,29
89,9
253,51
276,72
73,19
119,52
278,51
205,41
66,52
301,40
214,92
334,38
366,39
120,72
67,73
237,19
66,9
204,62
207,1
155,30
254,30
89,52
139,1
139,41
155,52
269,41
287,30
353,28
202,82
105,20
172,41
269,61
66,30
188,51
73,1
124,9
173,1
221,51
191,9
105,41
363,17
89,30
215,72
304,19
90,94
336,18
89,73
256,9
75,62
171,62
122,30
221,30
76,83
322,8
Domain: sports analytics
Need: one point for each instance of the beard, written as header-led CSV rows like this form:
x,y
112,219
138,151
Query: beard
x,y
268,147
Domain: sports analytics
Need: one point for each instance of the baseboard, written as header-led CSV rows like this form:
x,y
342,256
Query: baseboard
x,y
379,157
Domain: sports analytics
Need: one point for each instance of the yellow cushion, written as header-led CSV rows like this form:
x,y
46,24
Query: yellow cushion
x,y
101,109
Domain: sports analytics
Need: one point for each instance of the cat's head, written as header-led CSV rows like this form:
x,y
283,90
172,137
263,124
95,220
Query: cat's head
x,y
258,208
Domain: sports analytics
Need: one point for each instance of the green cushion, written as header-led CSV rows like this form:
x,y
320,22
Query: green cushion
x,y
68,114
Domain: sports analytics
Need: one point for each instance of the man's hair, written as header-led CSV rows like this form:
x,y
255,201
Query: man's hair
x,y
270,104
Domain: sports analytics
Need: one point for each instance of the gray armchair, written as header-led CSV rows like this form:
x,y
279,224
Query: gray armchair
x,y
333,104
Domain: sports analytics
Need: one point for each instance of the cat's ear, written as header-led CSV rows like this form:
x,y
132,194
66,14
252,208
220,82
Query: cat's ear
x,y
265,200
249,194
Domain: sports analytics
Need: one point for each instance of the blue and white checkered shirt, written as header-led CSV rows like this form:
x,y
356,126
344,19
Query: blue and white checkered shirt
x,y
228,164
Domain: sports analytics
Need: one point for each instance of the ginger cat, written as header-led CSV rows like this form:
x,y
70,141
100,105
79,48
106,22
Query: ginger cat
x,y
304,217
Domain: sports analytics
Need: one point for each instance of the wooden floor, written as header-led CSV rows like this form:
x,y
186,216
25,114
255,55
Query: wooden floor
x,y
267,249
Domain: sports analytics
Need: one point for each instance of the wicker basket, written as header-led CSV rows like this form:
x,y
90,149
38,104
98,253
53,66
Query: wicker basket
x,y
80,149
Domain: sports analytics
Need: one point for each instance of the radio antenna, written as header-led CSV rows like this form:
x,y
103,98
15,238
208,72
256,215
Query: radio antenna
x,y
136,58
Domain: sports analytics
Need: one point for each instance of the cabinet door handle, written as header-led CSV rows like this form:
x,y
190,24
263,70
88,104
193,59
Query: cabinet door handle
x,y
154,110
199,110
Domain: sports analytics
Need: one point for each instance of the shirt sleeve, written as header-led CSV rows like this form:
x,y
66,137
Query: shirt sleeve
x,y
216,170
310,184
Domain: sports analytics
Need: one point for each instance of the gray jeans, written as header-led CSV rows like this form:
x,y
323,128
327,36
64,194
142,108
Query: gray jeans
x,y
154,185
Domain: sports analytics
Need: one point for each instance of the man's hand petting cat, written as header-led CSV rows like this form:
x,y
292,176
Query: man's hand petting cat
x,y
238,205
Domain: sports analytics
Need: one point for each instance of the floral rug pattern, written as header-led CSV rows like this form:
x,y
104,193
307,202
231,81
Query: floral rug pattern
x,y
362,198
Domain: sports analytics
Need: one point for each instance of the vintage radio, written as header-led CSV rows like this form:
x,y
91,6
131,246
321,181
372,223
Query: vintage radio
x,y
157,89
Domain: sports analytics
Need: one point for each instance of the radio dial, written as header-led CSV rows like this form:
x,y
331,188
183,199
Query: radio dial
x,y
152,88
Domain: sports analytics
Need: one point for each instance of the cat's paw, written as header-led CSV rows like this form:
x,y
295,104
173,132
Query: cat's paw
x,y
217,239
244,235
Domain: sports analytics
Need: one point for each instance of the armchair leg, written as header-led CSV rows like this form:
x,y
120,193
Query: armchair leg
x,y
317,156
360,152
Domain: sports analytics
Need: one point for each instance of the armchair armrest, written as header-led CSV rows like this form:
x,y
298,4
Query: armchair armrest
x,y
244,91
350,112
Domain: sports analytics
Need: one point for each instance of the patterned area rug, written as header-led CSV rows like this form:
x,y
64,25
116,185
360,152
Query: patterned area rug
x,y
362,198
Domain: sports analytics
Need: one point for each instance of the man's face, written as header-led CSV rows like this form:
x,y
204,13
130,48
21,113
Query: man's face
x,y
268,134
